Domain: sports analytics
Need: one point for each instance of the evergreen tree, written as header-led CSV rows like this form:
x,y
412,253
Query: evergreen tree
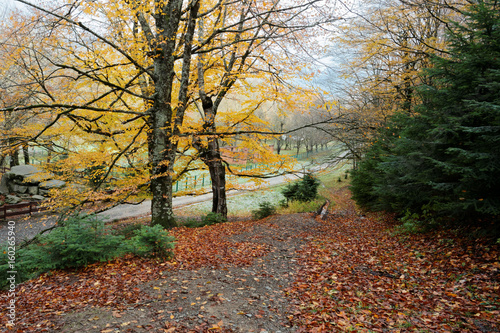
x,y
447,157
304,191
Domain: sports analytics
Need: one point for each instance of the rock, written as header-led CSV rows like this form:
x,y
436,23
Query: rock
x,y
12,199
19,173
33,190
41,191
24,170
19,188
78,187
53,183
37,198
27,175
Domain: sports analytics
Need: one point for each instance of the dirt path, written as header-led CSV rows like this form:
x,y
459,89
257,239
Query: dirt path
x,y
215,299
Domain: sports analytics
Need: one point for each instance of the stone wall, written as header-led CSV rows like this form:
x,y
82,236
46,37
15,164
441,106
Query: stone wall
x,y
27,182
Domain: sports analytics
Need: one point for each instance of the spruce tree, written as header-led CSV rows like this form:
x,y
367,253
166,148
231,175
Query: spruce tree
x,y
445,159
463,110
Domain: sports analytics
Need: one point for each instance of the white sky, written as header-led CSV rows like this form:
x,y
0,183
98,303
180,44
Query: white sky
x,y
6,3
6,6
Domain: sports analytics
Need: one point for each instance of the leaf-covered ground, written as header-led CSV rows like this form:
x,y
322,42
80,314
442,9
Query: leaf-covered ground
x,y
361,277
287,273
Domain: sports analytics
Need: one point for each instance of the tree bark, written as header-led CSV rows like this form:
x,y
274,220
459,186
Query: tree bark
x,y
210,155
164,120
14,157
278,146
26,154
218,175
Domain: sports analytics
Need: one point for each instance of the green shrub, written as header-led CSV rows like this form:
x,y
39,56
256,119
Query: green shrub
x,y
192,223
22,272
265,209
302,206
283,204
128,231
213,218
80,242
209,219
151,241
413,223
290,192
305,190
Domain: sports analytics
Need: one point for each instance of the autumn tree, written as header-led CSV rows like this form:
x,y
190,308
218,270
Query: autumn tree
x,y
121,83
17,89
250,56
393,41
390,42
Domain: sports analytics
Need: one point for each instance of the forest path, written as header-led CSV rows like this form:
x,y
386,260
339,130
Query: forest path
x,y
227,293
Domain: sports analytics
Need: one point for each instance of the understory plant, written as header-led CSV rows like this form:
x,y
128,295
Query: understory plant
x,y
304,190
152,241
81,241
265,209
209,219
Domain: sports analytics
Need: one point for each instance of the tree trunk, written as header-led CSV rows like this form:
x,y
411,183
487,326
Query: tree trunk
x,y
279,141
164,120
218,176
26,154
162,159
210,155
14,157
162,167
161,205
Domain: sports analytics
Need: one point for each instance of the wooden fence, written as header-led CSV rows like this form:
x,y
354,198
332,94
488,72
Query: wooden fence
x,y
19,209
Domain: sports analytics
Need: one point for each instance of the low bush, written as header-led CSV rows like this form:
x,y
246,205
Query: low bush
x,y
213,218
305,190
151,242
79,242
265,209
128,231
413,223
192,223
209,219
22,274
301,206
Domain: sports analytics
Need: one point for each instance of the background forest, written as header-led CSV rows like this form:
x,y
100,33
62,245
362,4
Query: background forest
x,y
124,100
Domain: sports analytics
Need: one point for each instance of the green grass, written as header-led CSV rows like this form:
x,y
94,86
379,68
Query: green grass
x,y
302,207
239,205
242,205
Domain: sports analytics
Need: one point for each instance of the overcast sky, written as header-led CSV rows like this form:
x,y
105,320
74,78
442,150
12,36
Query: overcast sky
x,y
6,3
5,6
